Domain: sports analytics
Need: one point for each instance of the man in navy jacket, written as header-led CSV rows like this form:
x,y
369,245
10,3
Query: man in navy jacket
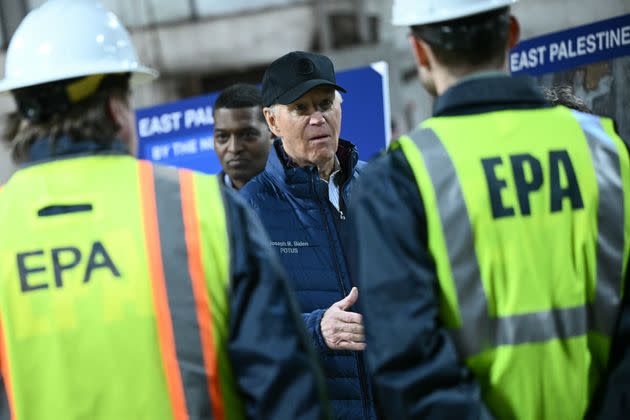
x,y
301,199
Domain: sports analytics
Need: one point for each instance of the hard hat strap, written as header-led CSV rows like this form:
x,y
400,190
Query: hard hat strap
x,y
83,87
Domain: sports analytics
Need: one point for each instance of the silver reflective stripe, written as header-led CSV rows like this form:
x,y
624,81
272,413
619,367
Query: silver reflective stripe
x,y
478,331
610,223
533,327
459,242
181,300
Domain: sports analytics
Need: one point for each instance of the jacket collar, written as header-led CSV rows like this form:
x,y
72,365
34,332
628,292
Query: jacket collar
x,y
225,180
64,147
282,166
486,94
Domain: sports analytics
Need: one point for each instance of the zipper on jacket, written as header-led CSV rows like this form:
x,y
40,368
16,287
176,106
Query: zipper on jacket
x,y
342,200
330,236
360,371
363,384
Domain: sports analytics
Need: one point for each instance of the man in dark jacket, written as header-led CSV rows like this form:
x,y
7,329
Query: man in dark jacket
x,y
478,234
301,199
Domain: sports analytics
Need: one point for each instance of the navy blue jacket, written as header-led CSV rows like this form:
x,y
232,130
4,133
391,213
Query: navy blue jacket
x,y
416,370
307,231
279,362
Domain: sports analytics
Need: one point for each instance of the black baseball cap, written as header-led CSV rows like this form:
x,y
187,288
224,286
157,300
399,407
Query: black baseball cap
x,y
294,74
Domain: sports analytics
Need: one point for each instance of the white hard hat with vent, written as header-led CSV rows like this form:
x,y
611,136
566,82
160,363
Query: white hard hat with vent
x,y
422,12
65,39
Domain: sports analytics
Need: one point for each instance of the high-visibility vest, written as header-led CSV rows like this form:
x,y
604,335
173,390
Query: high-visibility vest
x,y
528,216
117,309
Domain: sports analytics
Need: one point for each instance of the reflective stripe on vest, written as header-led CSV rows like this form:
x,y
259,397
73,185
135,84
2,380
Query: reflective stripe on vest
x,y
184,289
8,410
6,393
479,331
610,220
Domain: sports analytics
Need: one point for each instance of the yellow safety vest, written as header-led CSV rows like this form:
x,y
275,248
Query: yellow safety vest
x,y
119,308
528,215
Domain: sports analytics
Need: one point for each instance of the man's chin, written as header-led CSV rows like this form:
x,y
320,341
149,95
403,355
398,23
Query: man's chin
x,y
242,176
321,159
326,147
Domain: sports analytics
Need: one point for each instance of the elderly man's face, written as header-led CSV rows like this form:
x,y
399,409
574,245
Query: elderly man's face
x,y
309,127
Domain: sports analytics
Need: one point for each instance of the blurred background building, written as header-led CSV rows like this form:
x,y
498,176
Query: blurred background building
x,y
201,46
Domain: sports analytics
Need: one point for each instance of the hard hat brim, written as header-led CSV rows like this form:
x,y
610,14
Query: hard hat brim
x,y
139,75
443,14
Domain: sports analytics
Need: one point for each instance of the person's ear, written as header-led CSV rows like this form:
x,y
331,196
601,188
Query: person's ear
x,y
118,110
420,53
272,121
515,32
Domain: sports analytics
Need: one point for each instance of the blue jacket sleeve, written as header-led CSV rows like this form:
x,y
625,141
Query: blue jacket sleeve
x,y
612,399
416,371
312,321
273,360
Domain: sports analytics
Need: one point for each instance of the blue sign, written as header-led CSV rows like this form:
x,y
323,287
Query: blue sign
x,y
366,120
181,133
600,41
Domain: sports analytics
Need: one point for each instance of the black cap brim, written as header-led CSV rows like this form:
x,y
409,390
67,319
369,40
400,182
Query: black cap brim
x,y
301,89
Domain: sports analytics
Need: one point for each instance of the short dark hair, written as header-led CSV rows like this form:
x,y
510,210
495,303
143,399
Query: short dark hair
x,y
470,41
240,95
563,95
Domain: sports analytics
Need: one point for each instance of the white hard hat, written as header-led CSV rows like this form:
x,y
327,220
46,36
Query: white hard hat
x,y
422,12
65,39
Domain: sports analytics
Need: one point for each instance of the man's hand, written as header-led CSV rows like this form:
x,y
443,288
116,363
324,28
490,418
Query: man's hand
x,y
343,330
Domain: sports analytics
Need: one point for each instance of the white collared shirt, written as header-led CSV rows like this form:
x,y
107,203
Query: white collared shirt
x,y
227,181
334,192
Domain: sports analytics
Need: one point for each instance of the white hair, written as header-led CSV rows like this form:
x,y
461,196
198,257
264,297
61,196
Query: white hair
x,y
338,97
274,109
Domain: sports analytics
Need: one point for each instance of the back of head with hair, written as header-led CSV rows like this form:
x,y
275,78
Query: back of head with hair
x,y
471,41
240,95
43,113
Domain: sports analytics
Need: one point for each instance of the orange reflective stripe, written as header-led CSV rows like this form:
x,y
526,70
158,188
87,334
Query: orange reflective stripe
x,y
163,313
202,303
6,374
